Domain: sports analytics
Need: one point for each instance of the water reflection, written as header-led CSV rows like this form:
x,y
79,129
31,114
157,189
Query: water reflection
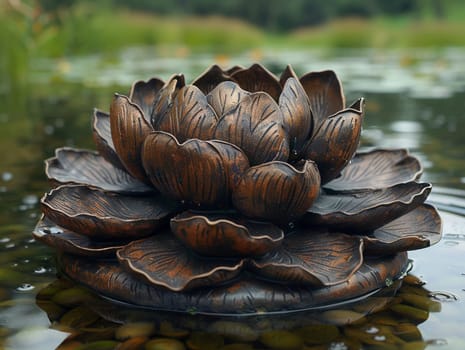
x,y
382,320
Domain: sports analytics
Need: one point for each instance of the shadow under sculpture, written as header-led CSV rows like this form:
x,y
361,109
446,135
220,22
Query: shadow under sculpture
x,y
239,193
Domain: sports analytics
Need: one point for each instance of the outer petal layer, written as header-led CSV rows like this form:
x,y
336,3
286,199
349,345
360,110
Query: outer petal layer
x,y
211,78
377,169
324,91
66,241
245,296
163,261
257,78
255,125
102,215
277,191
417,229
201,172
297,115
318,259
101,130
364,211
144,93
128,131
225,235
335,141
88,168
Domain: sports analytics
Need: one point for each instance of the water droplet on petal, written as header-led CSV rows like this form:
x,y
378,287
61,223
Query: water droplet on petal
x,y
379,338
372,330
40,270
25,287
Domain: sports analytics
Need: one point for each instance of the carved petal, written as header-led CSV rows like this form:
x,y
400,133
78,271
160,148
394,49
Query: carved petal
x,y
164,261
417,229
324,91
366,210
319,259
297,115
164,100
202,172
144,93
258,78
102,138
335,142
88,168
103,215
255,125
233,69
190,116
277,191
213,234
66,241
377,169
211,78
128,131
225,97
286,74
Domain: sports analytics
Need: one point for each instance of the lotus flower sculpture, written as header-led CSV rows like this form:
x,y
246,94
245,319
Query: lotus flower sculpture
x,y
238,193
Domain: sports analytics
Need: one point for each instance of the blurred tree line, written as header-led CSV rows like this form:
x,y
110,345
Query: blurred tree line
x,y
277,15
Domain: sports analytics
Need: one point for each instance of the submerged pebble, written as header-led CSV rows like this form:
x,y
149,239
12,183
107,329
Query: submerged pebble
x,y
280,339
234,330
165,344
138,329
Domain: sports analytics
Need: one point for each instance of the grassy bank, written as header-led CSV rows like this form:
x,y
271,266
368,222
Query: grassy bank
x,y
87,30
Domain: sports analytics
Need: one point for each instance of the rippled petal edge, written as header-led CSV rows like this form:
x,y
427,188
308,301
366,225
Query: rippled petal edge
x,y
313,258
277,191
163,261
222,234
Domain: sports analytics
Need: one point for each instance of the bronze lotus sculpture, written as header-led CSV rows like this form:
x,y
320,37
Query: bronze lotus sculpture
x,y
239,193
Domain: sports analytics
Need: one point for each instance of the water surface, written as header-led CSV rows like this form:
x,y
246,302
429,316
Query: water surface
x,y
414,100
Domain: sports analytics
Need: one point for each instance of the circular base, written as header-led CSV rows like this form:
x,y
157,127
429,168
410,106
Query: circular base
x,y
245,296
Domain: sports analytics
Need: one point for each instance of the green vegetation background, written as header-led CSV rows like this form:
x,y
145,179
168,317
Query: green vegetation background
x,y
57,28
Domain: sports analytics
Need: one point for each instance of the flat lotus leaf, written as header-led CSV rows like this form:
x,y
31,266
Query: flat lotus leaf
x,y
103,215
163,260
417,229
297,115
244,296
66,241
377,169
101,131
211,78
128,131
89,168
277,191
144,93
225,97
223,234
256,126
314,258
257,78
366,210
324,91
335,141
189,116
196,171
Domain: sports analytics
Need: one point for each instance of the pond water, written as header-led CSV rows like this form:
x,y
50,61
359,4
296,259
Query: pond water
x,y
414,100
